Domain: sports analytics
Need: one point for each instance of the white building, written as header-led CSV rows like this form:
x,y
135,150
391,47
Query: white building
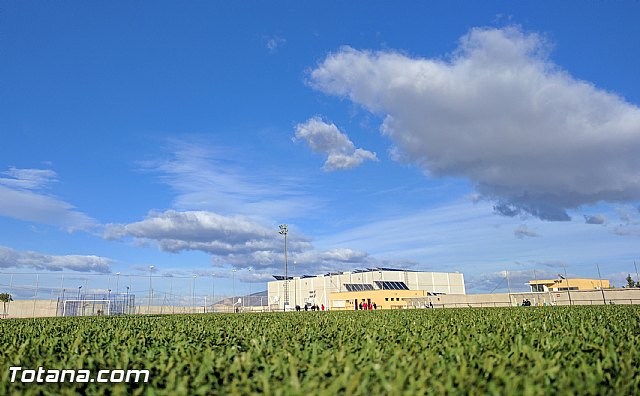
x,y
315,290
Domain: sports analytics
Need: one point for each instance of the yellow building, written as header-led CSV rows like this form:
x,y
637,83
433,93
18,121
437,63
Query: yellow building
x,y
562,284
383,299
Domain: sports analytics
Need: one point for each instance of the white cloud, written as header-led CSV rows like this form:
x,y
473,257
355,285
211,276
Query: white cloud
x,y
22,200
327,139
595,219
523,231
212,179
500,113
630,225
31,179
225,236
236,241
275,42
10,258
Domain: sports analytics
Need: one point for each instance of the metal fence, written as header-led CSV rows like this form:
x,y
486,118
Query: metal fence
x,y
75,294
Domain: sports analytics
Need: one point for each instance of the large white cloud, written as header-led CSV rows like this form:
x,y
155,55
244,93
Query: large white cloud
x,y
11,258
499,112
325,138
237,241
206,231
23,197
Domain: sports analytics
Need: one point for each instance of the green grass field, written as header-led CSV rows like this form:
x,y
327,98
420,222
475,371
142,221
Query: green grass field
x,y
507,351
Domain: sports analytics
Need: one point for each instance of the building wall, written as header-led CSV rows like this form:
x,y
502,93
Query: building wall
x,y
384,299
584,297
572,284
317,290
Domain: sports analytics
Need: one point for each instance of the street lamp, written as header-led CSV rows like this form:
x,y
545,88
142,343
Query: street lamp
x,y
128,302
117,282
284,231
79,288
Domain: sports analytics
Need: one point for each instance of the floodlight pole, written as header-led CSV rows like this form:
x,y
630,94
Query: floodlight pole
x,y
233,299
213,293
250,269
117,282
568,287
508,285
637,279
62,283
193,293
604,300
151,267
284,231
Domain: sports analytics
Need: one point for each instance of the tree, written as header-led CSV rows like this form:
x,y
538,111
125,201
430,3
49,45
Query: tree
x,y
630,282
5,298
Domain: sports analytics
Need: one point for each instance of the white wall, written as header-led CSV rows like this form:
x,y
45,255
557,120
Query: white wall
x,y
316,290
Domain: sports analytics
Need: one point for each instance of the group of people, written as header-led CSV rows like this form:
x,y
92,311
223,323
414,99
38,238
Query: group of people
x,y
366,306
526,302
312,307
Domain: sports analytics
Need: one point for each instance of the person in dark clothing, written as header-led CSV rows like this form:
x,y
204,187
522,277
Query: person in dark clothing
x,y
375,306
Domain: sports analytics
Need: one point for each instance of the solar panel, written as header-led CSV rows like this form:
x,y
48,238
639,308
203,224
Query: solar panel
x,y
391,285
358,286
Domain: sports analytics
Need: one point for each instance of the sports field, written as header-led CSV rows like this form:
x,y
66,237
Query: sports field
x,y
510,351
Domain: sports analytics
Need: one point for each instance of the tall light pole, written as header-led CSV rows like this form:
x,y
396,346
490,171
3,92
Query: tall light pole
x,y
117,282
250,269
213,293
568,287
283,231
604,300
295,286
193,292
151,267
62,284
233,299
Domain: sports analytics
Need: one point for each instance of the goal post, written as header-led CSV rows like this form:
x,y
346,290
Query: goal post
x,y
86,307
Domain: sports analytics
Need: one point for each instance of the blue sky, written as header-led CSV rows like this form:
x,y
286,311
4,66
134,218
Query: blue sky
x,y
446,136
